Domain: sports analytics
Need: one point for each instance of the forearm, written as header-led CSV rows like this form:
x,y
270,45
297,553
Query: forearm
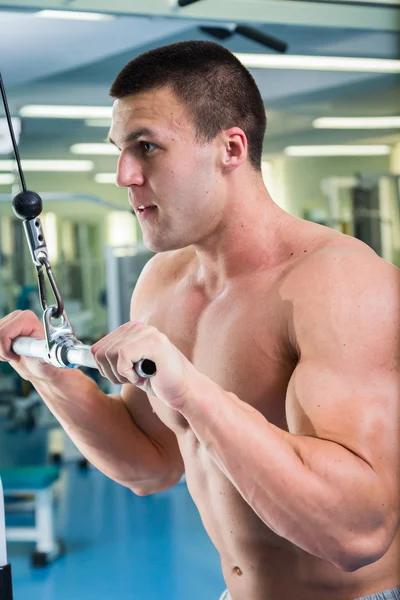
x,y
306,490
103,430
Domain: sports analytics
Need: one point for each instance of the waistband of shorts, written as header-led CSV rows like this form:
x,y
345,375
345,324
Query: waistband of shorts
x,y
393,594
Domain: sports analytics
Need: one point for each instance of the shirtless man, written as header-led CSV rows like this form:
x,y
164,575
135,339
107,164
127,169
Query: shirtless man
x,y
276,343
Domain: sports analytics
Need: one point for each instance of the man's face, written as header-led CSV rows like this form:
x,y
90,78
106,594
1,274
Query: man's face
x,y
163,166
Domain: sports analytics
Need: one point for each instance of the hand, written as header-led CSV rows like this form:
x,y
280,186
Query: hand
x,y
24,323
117,353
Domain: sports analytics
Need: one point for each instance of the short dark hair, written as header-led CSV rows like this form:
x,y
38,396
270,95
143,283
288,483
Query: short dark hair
x,y
218,91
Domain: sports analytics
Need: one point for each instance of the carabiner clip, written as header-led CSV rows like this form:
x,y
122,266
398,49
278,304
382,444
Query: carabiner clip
x,y
59,309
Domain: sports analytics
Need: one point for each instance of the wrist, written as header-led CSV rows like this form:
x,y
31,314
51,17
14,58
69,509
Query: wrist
x,y
202,397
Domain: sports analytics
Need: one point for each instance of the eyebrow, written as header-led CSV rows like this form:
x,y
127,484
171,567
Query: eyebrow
x,y
132,136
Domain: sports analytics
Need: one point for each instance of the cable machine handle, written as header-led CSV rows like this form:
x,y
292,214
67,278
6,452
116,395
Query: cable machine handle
x,y
78,355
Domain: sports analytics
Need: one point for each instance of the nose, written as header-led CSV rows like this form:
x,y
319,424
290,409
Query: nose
x,y
129,172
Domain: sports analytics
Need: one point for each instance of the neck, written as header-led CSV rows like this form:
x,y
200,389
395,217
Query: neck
x,y
253,234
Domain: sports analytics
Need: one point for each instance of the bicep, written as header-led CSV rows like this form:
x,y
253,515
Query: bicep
x,y
346,386
359,413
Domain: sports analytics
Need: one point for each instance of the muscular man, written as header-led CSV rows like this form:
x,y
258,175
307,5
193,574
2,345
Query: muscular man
x,y
276,342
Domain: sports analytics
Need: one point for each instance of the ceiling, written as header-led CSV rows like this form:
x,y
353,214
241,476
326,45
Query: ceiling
x,y
74,62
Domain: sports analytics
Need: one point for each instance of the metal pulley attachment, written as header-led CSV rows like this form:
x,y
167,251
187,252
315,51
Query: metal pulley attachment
x,y
27,205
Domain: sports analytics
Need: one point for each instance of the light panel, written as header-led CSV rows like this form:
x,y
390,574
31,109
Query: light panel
x,y
48,165
50,111
377,150
105,178
98,122
357,123
319,63
69,14
6,179
98,149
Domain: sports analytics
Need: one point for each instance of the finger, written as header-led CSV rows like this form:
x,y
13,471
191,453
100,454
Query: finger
x,y
105,351
126,339
17,324
125,367
112,356
142,346
103,366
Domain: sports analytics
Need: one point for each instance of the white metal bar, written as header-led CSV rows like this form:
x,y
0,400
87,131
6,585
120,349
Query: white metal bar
x,y
43,531
21,534
44,521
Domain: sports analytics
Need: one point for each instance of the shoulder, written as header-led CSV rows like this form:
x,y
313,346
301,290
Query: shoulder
x,y
167,266
336,267
342,287
160,274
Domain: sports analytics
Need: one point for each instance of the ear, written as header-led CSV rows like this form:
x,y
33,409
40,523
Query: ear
x,y
234,148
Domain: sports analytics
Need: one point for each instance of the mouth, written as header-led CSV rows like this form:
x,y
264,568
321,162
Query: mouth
x,y
145,211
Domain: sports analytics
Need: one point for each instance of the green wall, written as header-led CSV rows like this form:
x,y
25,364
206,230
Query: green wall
x,y
298,179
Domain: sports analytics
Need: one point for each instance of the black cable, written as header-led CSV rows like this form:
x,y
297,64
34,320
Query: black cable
x,y
186,2
14,143
220,33
262,38
256,35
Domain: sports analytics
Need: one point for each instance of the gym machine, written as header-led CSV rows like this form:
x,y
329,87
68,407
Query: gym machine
x,y
60,347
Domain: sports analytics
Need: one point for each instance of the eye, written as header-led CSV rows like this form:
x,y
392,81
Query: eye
x,y
148,147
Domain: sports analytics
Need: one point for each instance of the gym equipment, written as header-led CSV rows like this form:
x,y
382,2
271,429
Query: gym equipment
x,y
250,33
60,347
370,211
37,482
5,567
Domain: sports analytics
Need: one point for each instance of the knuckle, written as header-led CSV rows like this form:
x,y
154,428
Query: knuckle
x,y
30,314
109,354
163,338
121,352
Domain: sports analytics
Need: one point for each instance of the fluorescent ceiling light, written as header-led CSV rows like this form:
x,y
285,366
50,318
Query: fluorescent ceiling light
x,y
337,150
48,165
98,122
357,123
94,149
6,179
65,112
69,14
319,63
105,178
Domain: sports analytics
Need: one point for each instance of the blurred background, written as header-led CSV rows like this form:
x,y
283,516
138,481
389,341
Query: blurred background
x,y
331,155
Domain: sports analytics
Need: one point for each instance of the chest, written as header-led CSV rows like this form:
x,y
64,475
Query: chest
x,y
239,340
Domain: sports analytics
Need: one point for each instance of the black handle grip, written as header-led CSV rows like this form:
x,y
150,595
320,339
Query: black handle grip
x,y
146,368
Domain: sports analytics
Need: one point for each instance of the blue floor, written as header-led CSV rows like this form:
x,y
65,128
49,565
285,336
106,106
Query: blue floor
x,y
120,546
